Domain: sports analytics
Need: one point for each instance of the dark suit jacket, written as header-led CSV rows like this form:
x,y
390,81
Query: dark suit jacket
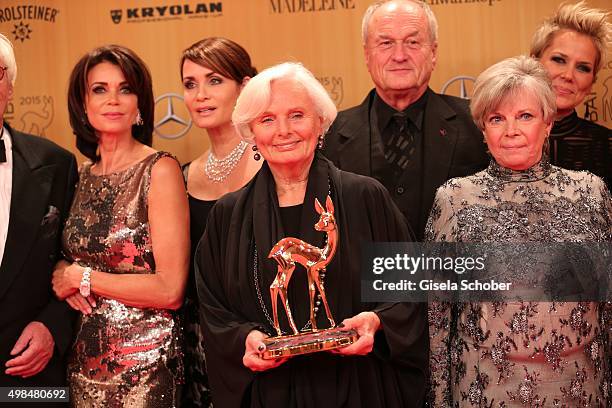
x,y
44,178
453,147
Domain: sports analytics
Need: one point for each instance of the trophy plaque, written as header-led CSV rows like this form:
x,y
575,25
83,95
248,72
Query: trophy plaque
x,y
287,252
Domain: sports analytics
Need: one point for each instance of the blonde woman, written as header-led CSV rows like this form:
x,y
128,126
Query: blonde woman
x,y
573,45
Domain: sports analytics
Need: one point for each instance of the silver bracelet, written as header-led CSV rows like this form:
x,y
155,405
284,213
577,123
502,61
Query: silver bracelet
x,y
85,286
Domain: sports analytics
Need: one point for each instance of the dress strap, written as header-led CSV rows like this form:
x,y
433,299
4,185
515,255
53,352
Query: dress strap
x,y
185,169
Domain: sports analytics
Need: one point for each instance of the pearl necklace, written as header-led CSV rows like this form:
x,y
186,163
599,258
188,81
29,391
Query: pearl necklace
x,y
218,170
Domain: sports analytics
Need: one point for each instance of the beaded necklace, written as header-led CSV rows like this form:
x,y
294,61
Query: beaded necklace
x,y
218,170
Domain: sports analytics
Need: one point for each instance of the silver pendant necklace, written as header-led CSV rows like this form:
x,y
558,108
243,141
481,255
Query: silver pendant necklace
x,y
218,170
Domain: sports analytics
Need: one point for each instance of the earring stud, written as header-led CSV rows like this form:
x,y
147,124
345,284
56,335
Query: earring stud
x,y
256,156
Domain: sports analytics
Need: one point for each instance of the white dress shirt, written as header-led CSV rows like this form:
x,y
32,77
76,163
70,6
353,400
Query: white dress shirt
x,y
6,185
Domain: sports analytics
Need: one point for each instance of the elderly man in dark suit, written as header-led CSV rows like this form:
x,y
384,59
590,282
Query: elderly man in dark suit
x,y
405,135
37,180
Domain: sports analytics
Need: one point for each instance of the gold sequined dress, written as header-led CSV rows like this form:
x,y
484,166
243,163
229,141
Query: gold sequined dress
x,y
123,356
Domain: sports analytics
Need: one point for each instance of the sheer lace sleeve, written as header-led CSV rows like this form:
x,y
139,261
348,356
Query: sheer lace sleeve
x,y
441,226
606,307
606,205
439,391
442,223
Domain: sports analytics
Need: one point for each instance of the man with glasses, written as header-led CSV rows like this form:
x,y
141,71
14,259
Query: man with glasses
x,y
37,180
405,135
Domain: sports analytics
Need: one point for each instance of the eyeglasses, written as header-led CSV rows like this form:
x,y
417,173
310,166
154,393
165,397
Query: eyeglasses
x,y
2,71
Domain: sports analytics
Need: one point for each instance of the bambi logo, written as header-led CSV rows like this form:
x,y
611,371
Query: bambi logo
x,y
334,87
606,99
464,83
116,16
590,110
37,121
174,125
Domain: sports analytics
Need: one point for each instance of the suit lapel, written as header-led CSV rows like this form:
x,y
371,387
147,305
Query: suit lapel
x,y
439,147
440,141
357,135
29,197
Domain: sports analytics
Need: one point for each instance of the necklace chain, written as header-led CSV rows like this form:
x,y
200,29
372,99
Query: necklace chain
x,y
218,170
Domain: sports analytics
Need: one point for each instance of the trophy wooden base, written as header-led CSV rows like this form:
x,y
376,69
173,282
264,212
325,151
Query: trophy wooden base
x,y
309,342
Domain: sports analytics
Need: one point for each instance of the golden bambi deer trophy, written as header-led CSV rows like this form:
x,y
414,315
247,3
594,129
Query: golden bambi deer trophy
x,y
287,252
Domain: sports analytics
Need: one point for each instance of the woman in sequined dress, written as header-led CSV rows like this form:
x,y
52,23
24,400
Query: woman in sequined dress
x,y
513,354
213,72
128,238
572,45
284,111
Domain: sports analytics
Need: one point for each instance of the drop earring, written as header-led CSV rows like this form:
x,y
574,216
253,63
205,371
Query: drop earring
x,y
139,121
320,142
256,156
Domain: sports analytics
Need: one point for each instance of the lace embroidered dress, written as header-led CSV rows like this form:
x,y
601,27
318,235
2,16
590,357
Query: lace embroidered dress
x,y
513,354
123,356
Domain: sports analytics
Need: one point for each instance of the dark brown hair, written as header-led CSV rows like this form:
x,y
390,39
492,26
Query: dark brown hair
x,y
222,56
138,78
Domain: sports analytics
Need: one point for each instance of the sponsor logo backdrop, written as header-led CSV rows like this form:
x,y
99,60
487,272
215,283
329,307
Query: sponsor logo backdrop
x,y
325,35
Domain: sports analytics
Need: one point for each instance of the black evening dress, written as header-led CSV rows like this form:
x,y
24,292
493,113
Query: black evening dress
x,y
233,276
579,144
196,392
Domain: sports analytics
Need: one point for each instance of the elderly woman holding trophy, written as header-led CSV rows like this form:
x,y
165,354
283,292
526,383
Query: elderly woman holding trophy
x,y
296,232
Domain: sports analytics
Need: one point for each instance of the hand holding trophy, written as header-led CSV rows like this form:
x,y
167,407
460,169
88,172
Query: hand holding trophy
x,y
287,252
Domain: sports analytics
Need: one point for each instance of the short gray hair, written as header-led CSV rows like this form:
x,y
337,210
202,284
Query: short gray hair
x,y
579,18
255,97
507,78
431,18
7,55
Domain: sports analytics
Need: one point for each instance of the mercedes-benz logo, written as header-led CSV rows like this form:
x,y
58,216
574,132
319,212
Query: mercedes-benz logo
x,y
463,89
171,120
